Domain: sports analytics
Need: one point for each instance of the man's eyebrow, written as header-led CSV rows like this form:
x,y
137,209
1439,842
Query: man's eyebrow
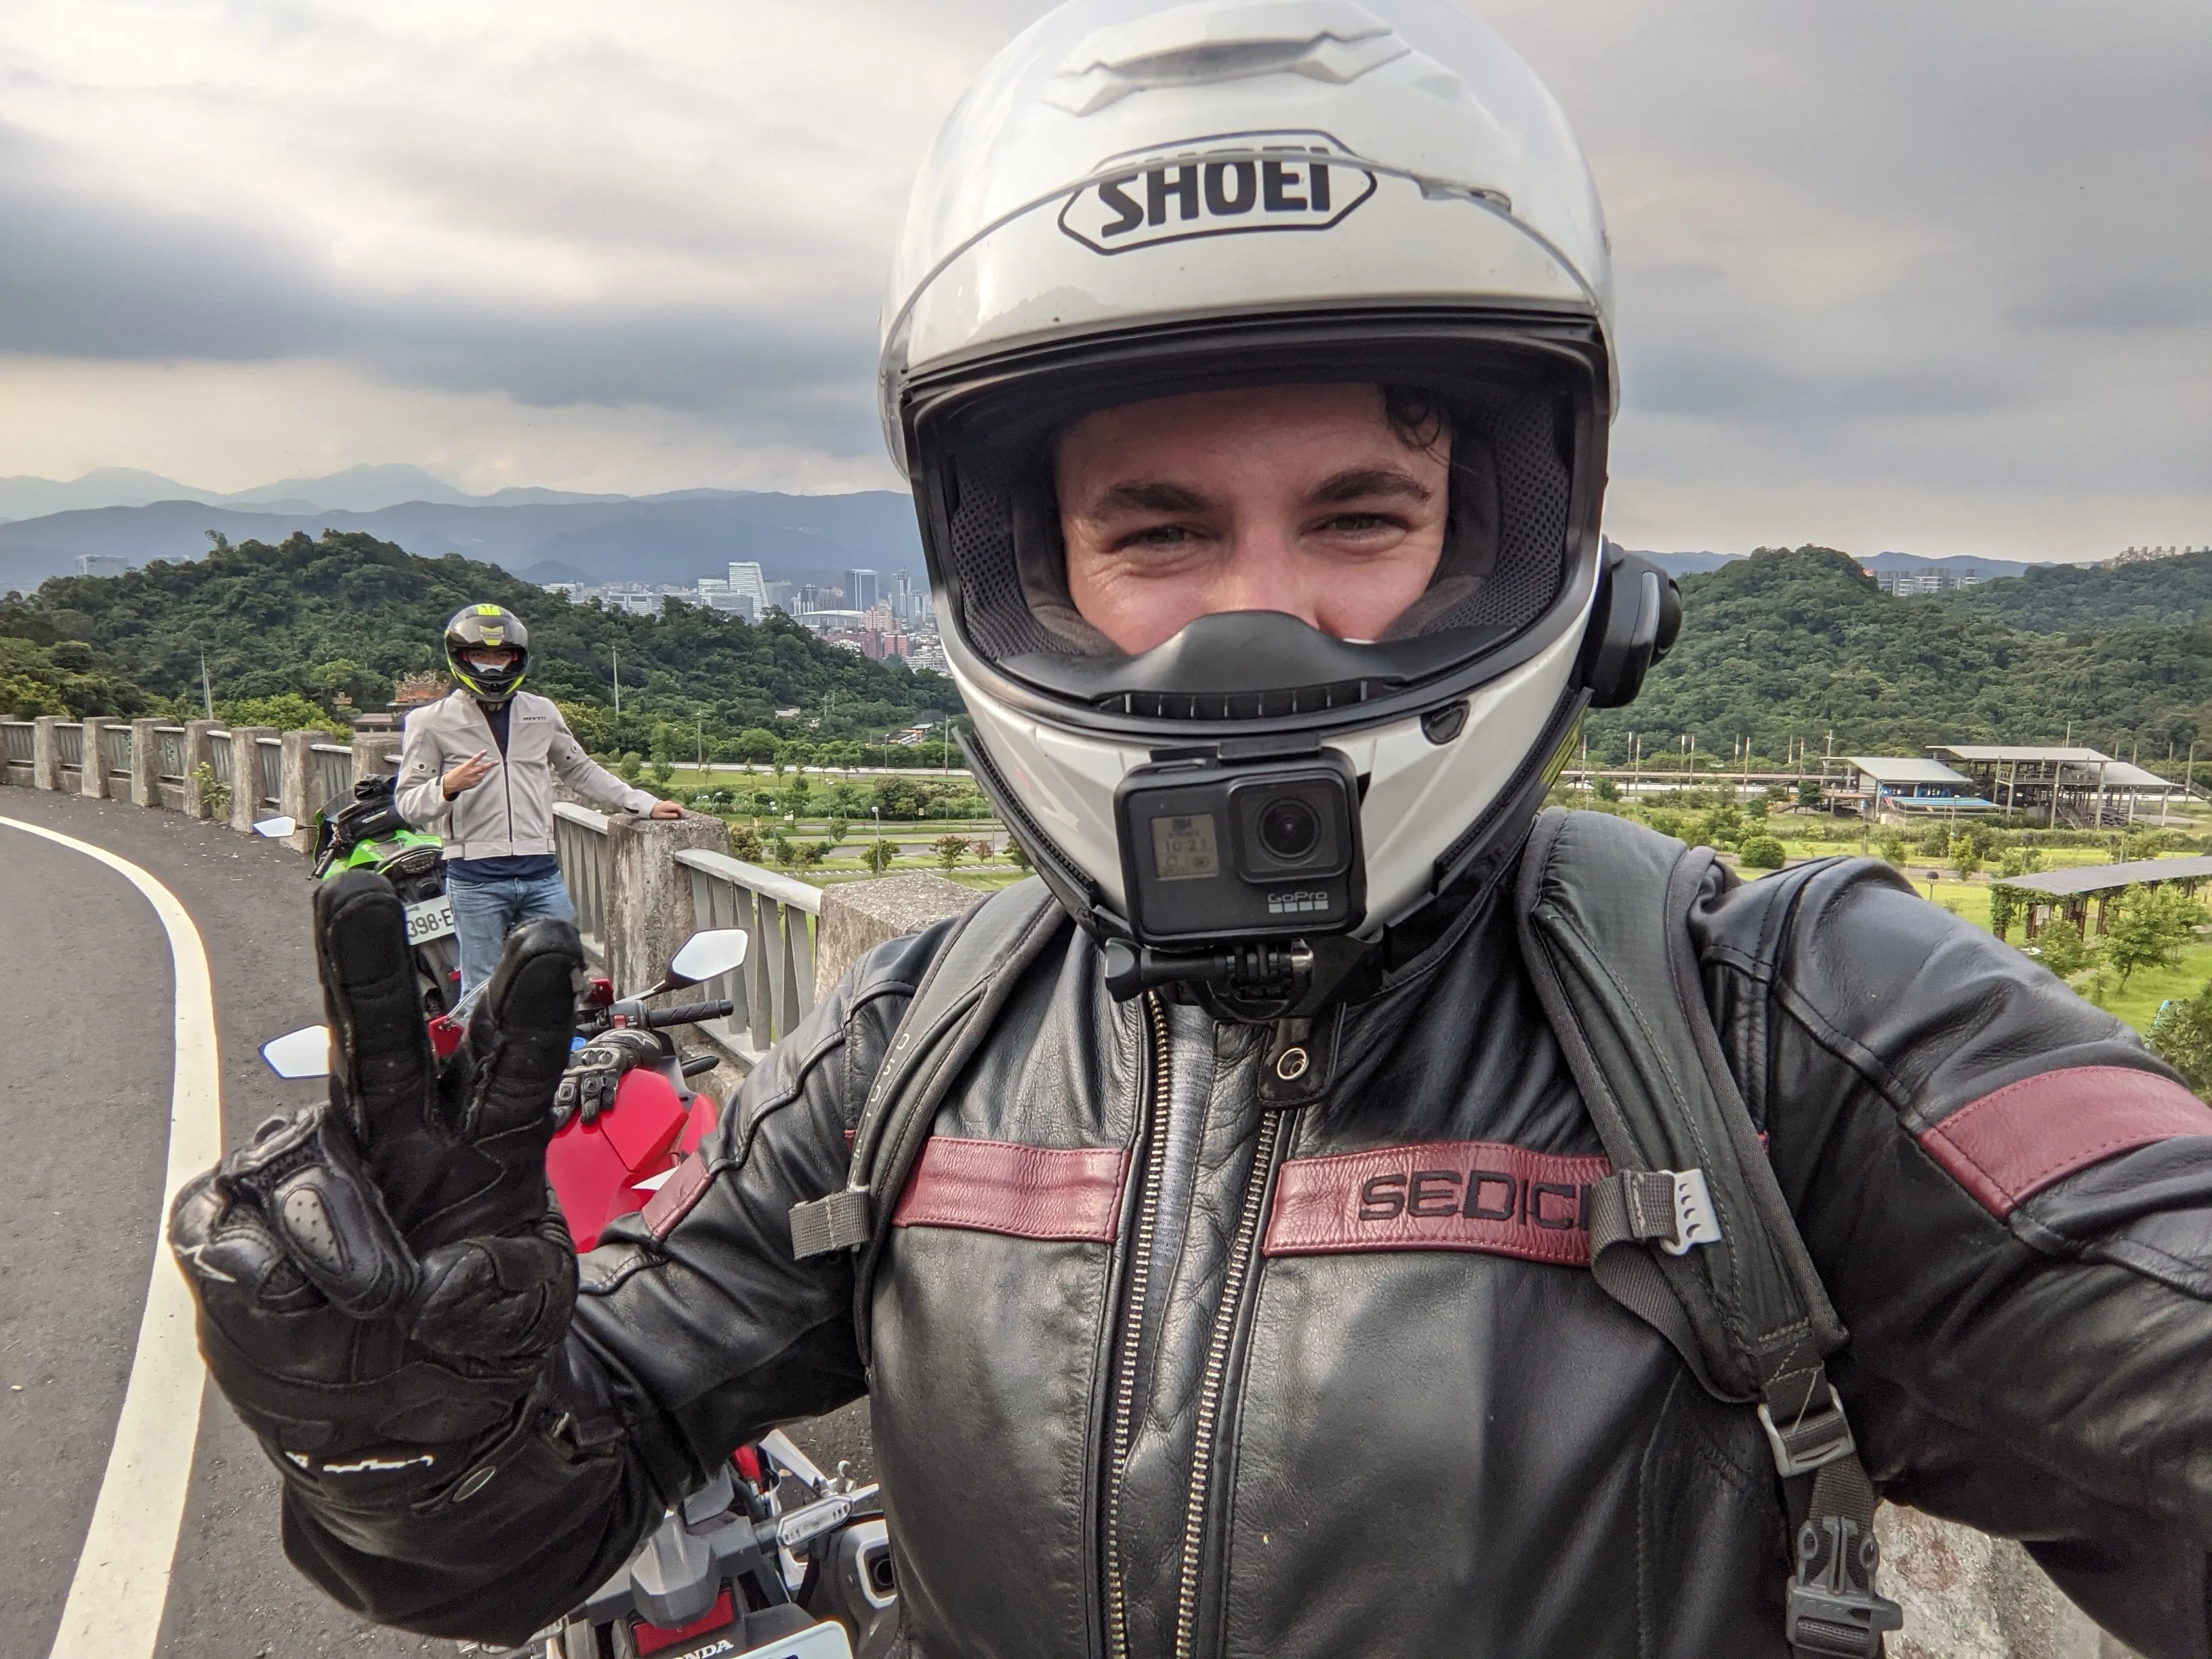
x,y
1150,495
1365,482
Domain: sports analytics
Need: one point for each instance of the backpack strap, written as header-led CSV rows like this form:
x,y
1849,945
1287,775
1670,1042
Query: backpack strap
x,y
951,1012
1691,1233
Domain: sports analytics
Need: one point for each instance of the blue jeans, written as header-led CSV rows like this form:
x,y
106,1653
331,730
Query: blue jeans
x,y
485,912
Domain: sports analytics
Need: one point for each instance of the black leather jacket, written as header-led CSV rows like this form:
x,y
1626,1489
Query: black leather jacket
x,y
1160,1370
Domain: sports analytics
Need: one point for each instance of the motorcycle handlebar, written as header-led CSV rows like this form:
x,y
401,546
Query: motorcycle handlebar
x,y
687,1013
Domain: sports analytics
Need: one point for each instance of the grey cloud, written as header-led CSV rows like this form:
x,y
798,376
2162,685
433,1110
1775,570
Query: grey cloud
x,y
88,278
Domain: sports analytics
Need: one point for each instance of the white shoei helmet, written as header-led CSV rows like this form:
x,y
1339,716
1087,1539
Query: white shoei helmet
x,y
1133,204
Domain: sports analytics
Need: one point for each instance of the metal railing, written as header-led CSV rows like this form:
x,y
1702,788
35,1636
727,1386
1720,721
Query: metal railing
x,y
219,755
69,743
775,989
173,753
117,740
333,764
269,772
22,741
580,842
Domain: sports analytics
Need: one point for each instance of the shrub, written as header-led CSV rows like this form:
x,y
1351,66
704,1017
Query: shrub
x,y
1808,792
2181,1035
1605,789
214,793
745,844
2061,948
2151,927
950,850
879,854
1763,852
1017,854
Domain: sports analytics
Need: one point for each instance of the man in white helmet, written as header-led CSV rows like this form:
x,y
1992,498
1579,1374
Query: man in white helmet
x,y
1350,1214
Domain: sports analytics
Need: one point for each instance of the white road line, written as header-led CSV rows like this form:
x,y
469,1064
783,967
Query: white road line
x,y
122,1580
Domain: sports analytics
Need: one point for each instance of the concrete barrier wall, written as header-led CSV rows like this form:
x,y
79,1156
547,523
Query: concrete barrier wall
x,y
1967,1595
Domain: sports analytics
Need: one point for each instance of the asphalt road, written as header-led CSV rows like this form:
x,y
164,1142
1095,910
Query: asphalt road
x,y
85,982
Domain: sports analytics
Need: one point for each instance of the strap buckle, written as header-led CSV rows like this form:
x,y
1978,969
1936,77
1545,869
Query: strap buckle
x,y
823,1226
1695,1223
1812,1441
1834,1610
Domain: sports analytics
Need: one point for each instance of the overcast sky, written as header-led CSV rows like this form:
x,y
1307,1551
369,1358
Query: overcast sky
x,y
1925,274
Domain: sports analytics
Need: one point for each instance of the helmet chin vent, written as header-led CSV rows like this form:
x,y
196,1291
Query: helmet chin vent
x,y
1244,705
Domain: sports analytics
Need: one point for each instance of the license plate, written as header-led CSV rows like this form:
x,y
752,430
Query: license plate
x,y
431,919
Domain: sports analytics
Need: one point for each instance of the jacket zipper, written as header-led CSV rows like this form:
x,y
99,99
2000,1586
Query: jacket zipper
x,y
1212,1380
1133,1322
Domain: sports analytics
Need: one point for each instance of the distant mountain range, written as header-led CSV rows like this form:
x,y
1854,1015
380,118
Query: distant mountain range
x,y
1691,564
356,489
540,535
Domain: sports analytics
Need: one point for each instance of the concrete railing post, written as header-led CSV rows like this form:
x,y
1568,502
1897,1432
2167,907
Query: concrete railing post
x,y
300,794
858,916
145,764
246,775
648,898
92,775
46,752
199,752
376,754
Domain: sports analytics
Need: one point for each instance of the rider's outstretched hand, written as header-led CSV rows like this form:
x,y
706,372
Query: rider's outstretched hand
x,y
381,1277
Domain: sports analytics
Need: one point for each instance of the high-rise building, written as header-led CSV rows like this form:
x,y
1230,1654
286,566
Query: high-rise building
x,y
746,577
780,596
861,593
903,596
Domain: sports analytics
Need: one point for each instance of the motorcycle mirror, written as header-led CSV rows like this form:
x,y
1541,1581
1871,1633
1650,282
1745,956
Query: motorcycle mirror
x,y
707,955
303,1053
276,829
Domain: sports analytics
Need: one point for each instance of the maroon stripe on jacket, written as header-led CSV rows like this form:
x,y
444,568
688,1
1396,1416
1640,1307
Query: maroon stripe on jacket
x,y
1436,1195
1023,1192
2013,1143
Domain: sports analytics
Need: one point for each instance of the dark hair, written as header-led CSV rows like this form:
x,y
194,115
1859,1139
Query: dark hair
x,y
1419,417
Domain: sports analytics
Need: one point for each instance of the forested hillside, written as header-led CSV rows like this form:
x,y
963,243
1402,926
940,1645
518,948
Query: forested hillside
x,y
1798,644
2067,598
349,614
1784,645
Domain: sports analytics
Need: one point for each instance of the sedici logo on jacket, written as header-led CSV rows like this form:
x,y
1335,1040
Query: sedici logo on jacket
x,y
1222,185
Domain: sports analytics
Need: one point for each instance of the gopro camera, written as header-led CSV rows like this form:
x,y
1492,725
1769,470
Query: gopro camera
x,y
1221,853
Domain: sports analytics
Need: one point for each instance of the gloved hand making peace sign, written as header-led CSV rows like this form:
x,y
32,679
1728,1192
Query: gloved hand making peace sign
x,y
381,1277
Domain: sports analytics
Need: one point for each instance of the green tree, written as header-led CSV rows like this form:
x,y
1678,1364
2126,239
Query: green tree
x,y
781,849
745,844
1605,789
629,767
662,771
1965,857
1763,852
879,855
950,850
2150,927
1808,792
2061,948
1017,854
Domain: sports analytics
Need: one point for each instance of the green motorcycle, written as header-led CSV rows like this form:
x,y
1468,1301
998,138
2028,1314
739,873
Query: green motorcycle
x,y
367,833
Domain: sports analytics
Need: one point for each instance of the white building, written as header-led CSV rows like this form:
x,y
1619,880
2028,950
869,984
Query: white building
x,y
745,578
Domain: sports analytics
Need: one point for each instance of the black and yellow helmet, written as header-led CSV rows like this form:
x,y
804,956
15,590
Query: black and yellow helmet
x,y
478,627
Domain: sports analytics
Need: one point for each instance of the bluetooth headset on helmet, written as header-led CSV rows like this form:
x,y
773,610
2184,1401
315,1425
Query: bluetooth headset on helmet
x,y
1134,203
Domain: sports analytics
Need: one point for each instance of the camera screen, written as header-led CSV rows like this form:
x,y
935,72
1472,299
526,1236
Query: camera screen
x,y
1184,848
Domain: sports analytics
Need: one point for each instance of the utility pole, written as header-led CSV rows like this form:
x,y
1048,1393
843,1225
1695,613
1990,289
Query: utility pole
x,y
699,731
207,695
617,654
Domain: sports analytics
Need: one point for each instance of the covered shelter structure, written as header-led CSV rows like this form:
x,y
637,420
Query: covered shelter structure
x,y
1903,788
2084,788
2071,893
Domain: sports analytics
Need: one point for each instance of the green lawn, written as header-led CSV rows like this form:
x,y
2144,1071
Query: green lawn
x,y
2137,1005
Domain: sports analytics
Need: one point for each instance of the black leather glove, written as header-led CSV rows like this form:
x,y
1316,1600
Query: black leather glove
x,y
596,1072
381,1277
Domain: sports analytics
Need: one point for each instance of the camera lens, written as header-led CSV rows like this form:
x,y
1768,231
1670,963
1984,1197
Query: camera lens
x,y
1288,829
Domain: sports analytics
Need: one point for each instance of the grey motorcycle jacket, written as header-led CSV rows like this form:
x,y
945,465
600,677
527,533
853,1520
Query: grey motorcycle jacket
x,y
1166,1359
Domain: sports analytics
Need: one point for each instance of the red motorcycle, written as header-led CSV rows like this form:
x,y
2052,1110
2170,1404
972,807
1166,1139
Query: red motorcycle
x,y
772,1558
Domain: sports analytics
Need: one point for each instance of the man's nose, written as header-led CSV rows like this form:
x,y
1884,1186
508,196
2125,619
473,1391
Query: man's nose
x,y
1263,572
